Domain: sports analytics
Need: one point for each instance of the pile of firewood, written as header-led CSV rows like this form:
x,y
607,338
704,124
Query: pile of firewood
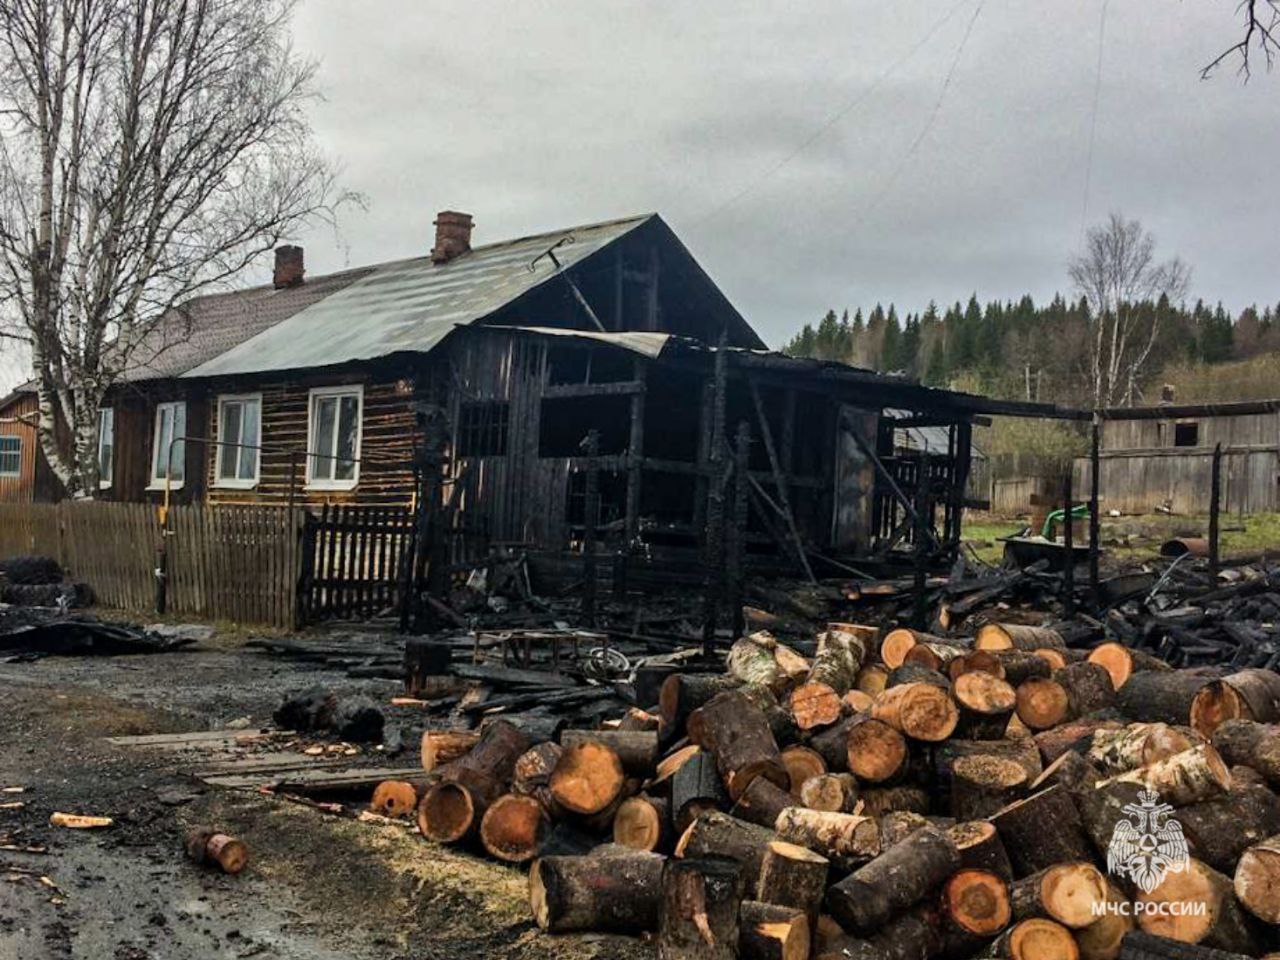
x,y
894,796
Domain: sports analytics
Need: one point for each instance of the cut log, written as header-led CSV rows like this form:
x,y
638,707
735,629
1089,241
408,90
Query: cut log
x,y
901,876
1019,666
695,789
986,704
751,660
601,822
897,825
1165,697
1088,687
856,701
762,802
209,847
1075,736
642,823
844,838
450,811
877,801
720,835
914,673
872,679
937,655
768,931
1122,662
874,751
1031,846
701,900
587,778
920,711
738,736
801,763
899,642
781,724
441,746
606,894
988,661
532,774
1016,636
977,901
636,719
1187,777
673,761
982,785
981,849
1042,704
1103,939
834,792
487,768
1251,744
1222,924
1219,831
1036,939
683,693
1247,695
793,876
1022,752
840,656
1115,751
394,798
637,750
1074,894
1257,879
917,933
1143,946
513,828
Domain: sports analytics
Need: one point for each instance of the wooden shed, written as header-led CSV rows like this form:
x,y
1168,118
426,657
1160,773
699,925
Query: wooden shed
x,y
25,476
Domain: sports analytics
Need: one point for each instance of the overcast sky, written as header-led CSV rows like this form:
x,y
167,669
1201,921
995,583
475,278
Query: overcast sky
x,y
800,149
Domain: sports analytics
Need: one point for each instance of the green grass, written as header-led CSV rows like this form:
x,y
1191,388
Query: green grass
x,y
1137,539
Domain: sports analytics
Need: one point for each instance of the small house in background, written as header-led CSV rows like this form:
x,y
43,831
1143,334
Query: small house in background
x,y
25,476
1160,458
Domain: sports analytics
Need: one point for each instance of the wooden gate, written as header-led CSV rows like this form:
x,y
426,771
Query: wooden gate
x,y
354,561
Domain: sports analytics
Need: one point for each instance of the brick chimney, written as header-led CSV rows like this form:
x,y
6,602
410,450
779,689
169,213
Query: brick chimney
x,y
453,235
289,271
1166,393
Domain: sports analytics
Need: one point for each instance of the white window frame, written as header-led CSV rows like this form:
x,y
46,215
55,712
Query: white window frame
x,y
9,475
158,483
237,483
322,483
104,481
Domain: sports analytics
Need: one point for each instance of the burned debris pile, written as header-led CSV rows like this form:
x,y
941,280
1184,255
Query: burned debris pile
x,y
980,788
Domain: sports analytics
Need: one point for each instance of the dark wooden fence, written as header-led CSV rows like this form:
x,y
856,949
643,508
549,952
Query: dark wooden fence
x,y
354,561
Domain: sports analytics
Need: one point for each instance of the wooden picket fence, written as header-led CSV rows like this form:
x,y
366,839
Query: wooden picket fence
x,y
354,561
241,564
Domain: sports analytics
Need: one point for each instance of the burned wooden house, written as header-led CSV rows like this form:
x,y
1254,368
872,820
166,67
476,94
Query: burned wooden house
x,y
516,383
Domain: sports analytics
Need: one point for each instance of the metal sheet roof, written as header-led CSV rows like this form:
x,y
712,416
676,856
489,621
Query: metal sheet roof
x,y
411,305
646,343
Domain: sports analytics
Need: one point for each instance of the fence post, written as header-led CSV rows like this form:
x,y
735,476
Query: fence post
x,y
590,520
1069,549
922,524
737,531
1095,520
1215,503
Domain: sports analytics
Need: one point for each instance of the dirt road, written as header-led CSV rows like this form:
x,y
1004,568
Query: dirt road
x,y
318,886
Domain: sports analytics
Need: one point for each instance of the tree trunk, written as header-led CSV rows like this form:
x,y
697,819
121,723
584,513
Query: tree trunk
x,y
1188,777
587,778
605,894
768,931
874,894
701,899
982,785
720,835
977,902
1165,697
1032,847
737,734
513,828
793,876
918,710
1072,893
844,838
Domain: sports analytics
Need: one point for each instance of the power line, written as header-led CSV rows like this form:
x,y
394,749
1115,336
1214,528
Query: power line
x,y
847,108
892,179
1093,121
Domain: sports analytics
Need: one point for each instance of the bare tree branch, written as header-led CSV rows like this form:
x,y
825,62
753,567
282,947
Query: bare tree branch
x,y
1261,20
149,151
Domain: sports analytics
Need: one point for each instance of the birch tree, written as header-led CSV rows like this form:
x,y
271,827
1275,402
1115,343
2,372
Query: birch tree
x,y
149,151
1117,273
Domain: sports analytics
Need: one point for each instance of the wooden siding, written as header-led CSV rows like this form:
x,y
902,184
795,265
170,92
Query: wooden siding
x,y
1255,429
1139,483
388,432
20,489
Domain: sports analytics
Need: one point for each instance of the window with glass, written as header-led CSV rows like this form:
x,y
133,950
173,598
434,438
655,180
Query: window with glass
x,y
168,456
334,437
239,436
106,446
10,456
